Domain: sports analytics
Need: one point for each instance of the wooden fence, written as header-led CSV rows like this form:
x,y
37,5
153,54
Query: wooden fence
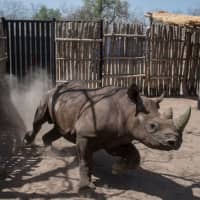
x,y
78,52
100,54
160,58
3,47
124,55
174,60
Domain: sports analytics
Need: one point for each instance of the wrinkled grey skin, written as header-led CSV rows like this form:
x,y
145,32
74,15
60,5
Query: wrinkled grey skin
x,y
109,118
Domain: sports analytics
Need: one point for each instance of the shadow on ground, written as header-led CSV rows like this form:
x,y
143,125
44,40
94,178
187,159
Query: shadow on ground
x,y
28,159
145,181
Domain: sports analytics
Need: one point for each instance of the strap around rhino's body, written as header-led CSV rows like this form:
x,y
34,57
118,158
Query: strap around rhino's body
x,y
55,96
61,89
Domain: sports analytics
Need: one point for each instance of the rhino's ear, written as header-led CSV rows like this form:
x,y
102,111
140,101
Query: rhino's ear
x,y
160,98
133,93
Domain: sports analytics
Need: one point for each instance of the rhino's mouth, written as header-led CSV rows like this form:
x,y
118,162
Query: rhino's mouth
x,y
164,147
170,146
172,143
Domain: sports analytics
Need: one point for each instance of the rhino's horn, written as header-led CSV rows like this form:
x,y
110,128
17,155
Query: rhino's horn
x,y
168,114
160,98
182,121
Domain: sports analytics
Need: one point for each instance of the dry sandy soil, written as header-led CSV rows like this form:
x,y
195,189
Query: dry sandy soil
x,y
54,174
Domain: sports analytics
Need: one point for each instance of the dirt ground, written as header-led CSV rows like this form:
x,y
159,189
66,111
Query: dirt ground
x,y
54,174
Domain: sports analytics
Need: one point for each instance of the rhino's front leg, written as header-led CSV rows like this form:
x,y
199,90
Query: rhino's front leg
x,y
40,118
130,158
85,162
51,136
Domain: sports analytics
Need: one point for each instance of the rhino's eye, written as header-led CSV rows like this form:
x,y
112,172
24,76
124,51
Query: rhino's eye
x,y
152,127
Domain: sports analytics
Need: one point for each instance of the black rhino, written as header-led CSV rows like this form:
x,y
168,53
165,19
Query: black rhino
x,y
109,118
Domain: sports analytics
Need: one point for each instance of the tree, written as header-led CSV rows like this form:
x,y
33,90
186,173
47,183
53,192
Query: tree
x,y
45,13
195,12
109,10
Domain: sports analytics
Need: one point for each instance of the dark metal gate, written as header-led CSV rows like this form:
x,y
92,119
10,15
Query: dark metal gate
x,y
31,48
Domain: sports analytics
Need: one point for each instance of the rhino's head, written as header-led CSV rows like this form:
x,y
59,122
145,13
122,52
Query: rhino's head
x,y
158,131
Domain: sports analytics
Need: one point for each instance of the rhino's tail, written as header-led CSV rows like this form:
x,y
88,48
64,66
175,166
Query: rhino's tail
x,y
41,116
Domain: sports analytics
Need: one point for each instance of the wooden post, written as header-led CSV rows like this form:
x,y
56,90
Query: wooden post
x,y
101,54
148,59
53,37
187,63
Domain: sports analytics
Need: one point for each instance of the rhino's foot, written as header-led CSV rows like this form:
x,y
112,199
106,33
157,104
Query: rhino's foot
x,y
84,183
28,138
84,187
123,166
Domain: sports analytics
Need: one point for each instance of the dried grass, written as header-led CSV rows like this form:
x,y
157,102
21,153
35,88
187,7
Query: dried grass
x,y
177,19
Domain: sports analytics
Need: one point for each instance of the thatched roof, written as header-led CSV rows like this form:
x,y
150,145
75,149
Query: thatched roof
x,y
170,18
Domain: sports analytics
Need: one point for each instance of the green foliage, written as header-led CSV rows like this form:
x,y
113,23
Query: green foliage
x,y
45,13
195,12
109,10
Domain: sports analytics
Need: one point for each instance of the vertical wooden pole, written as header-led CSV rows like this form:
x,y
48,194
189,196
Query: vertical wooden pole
x,y
53,63
187,63
101,54
148,57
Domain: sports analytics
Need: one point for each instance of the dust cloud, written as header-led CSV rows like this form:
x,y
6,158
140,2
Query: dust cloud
x,y
27,94
18,101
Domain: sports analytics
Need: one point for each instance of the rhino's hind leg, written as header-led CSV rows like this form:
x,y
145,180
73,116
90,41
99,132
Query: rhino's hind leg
x,y
130,158
85,163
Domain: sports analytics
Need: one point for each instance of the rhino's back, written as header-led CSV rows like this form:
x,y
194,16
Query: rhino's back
x,y
87,108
